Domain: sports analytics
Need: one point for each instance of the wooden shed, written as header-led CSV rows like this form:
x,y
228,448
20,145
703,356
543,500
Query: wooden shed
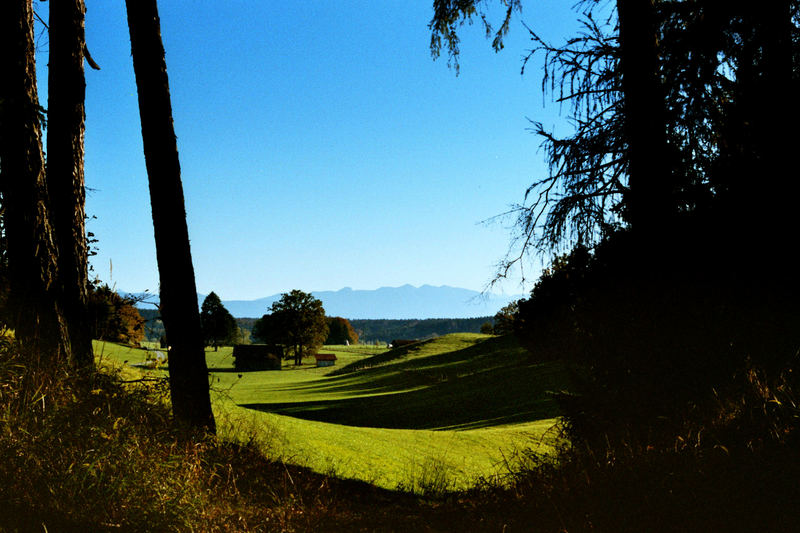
x,y
325,359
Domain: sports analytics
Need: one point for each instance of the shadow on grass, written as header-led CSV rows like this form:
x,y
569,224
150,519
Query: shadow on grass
x,y
381,358
490,384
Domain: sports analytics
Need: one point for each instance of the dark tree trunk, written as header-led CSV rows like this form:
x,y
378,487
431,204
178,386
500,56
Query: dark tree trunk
x,y
648,200
65,177
779,186
756,172
188,373
32,253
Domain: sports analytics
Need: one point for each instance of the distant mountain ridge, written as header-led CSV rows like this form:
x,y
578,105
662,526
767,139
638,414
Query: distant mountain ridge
x,y
397,303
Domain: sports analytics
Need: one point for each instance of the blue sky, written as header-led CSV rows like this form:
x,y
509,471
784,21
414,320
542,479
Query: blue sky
x,y
320,144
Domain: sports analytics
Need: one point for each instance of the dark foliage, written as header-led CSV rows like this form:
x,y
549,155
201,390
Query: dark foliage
x,y
449,15
340,331
113,317
154,327
652,352
505,318
217,324
677,109
297,321
720,82
371,330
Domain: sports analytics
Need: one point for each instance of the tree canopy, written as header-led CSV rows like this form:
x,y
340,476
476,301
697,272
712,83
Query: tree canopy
x,y
340,331
218,325
297,321
678,109
673,200
505,318
113,317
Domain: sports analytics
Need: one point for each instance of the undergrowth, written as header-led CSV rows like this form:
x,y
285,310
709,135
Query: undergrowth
x,y
93,453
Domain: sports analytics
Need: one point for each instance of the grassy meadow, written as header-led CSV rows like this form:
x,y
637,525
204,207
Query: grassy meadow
x,y
438,415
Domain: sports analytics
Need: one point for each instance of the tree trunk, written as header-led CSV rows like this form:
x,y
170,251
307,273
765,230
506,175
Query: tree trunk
x,y
779,187
65,176
648,199
757,174
32,254
188,372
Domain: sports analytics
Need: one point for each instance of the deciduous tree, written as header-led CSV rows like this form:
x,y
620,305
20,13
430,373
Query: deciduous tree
x,y
113,317
340,331
297,321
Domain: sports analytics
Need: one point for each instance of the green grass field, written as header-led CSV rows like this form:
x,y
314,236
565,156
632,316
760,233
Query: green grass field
x,y
439,414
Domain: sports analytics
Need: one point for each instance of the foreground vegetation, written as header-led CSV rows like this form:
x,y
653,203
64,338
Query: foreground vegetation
x,y
98,452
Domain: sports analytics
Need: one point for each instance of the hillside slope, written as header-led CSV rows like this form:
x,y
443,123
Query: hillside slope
x,y
461,405
458,381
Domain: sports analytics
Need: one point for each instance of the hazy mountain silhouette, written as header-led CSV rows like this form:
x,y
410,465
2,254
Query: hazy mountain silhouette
x,y
406,302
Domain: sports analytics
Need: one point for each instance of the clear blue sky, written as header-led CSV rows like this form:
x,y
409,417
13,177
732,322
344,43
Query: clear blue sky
x,y
320,144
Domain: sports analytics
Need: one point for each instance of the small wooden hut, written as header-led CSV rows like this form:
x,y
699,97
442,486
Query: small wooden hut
x,y
325,359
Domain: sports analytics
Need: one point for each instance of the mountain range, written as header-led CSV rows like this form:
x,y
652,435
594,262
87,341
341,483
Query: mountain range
x,y
405,302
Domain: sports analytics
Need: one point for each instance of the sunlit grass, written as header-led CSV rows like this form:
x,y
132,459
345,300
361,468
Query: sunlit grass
x,y
464,404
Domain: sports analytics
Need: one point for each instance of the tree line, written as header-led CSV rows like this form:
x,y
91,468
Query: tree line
x,y
269,328
384,330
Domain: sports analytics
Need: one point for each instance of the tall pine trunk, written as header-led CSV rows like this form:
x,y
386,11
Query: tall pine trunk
x,y
779,185
65,176
31,248
648,199
188,373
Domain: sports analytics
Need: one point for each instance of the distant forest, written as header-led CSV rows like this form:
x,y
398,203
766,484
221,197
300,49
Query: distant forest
x,y
386,330
369,330
153,327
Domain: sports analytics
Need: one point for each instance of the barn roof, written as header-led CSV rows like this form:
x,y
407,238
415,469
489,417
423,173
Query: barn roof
x,y
325,357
